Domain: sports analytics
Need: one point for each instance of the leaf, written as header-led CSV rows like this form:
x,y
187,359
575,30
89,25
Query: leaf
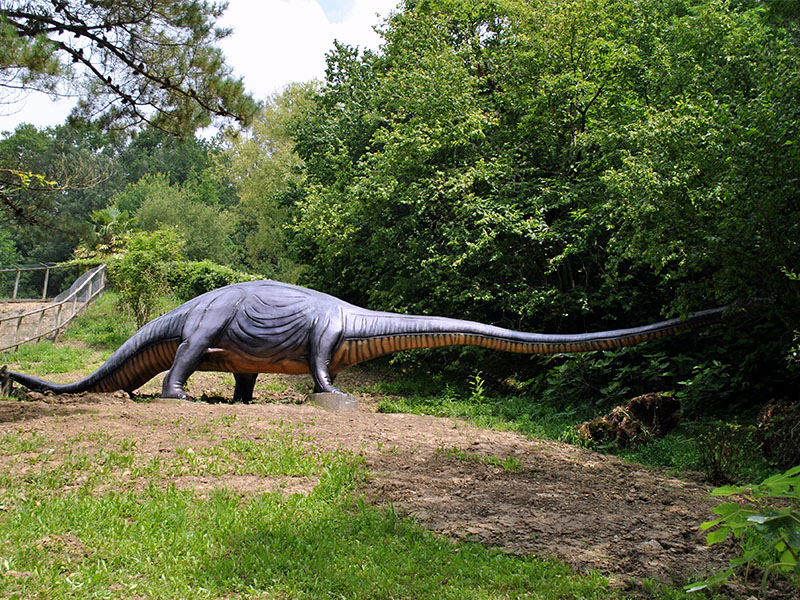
x,y
728,490
726,509
793,539
718,535
788,560
765,518
709,524
717,579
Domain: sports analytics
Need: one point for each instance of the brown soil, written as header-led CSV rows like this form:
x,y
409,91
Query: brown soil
x,y
593,511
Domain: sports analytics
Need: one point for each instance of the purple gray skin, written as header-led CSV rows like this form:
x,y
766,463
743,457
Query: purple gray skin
x,y
271,327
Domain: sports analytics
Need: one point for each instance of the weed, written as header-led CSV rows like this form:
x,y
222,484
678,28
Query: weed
x,y
508,463
768,519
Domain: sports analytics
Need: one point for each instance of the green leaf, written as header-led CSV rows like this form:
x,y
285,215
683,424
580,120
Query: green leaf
x,y
717,579
726,509
765,518
793,471
709,524
788,559
728,490
718,535
793,539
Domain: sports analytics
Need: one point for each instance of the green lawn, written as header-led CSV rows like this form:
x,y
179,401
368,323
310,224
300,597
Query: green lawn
x,y
126,532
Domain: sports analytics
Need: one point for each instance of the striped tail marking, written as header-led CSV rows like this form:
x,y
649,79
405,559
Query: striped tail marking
x,y
140,368
356,350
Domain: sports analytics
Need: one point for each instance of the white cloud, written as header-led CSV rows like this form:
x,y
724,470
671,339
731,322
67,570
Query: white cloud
x,y
274,43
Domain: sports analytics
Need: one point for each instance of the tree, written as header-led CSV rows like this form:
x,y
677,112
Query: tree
x,y
563,166
266,172
110,226
158,205
49,213
153,62
182,160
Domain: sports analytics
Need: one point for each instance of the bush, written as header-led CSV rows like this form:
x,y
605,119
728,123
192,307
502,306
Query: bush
x,y
727,451
779,433
770,514
190,279
140,275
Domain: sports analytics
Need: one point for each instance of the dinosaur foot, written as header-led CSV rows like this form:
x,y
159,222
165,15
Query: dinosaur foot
x,y
175,396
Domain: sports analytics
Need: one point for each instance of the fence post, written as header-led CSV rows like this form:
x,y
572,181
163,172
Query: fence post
x,y
46,281
16,284
58,324
16,334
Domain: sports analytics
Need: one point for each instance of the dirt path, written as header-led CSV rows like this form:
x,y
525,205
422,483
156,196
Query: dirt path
x,y
593,511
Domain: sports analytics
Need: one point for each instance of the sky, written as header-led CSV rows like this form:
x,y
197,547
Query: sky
x,y
274,43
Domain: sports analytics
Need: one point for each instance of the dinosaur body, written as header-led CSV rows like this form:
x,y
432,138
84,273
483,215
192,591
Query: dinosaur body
x,y
271,327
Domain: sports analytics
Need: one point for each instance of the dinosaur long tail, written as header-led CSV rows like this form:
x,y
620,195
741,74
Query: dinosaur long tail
x,y
144,355
378,334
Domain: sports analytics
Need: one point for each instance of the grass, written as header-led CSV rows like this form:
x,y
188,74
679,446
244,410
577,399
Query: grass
x,y
104,325
87,517
511,464
681,450
46,358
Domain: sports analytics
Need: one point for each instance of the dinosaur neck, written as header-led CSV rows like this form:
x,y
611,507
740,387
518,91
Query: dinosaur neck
x,y
372,334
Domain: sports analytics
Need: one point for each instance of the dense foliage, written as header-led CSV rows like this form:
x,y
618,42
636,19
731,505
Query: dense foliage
x,y
566,166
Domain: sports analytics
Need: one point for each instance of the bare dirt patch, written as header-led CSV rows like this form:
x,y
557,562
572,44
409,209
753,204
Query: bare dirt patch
x,y
525,496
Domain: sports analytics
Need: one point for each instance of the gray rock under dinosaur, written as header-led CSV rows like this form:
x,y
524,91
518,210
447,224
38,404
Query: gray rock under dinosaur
x,y
271,327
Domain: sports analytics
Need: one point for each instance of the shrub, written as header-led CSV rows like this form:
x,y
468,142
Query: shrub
x,y
770,516
141,273
190,279
779,433
725,451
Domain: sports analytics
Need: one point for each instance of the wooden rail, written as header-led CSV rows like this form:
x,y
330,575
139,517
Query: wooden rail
x,y
35,325
19,270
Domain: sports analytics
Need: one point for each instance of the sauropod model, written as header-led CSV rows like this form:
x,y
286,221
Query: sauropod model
x,y
272,327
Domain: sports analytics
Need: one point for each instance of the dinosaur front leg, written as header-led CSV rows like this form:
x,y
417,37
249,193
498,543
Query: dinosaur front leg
x,y
323,343
200,332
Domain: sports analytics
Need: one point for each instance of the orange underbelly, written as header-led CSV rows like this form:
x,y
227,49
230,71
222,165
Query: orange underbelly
x,y
231,361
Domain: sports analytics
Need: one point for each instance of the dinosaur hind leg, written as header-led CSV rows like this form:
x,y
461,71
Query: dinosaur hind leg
x,y
245,383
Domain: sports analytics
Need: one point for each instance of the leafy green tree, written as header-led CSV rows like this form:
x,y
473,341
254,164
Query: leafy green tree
x,y
265,169
447,174
158,205
49,212
182,160
564,166
8,249
134,63
108,234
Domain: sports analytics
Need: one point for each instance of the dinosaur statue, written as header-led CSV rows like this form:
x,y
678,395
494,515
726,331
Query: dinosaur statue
x,y
271,327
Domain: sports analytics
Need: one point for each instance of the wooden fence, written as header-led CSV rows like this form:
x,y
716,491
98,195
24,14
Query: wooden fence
x,y
48,321
18,271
